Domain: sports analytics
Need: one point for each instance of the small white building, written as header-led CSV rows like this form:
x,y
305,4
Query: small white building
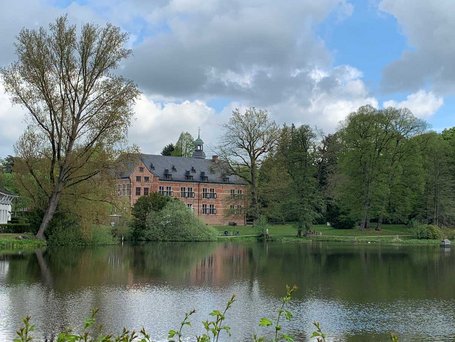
x,y
6,200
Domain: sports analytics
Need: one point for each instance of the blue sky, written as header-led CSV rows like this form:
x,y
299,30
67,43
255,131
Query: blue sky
x,y
306,62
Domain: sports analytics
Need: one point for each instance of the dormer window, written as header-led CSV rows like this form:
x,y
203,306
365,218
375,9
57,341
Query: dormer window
x,y
188,175
167,174
226,179
152,167
193,170
174,169
204,178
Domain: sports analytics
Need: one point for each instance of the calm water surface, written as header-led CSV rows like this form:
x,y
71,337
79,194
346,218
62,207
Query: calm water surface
x,y
358,293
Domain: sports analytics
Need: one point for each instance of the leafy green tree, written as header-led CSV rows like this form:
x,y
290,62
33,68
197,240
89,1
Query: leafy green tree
x,y
374,146
154,202
289,183
247,139
327,155
7,164
438,200
184,147
168,150
77,105
299,151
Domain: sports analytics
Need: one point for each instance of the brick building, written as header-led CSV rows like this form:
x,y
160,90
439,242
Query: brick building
x,y
204,185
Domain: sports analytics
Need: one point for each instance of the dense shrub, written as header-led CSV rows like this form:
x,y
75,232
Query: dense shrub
x,y
17,228
65,229
428,231
153,202
175,222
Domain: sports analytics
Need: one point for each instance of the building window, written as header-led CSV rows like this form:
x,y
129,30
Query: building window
x,y
168,191
205,193
204,209
146,191
147,179
239,192
190,192
188,175
138,178
212,210
189,206
161,190
183,192
232,193
212,193
138,191
141,169
128,189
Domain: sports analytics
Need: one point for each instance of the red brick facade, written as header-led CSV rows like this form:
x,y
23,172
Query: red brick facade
x,y
214,203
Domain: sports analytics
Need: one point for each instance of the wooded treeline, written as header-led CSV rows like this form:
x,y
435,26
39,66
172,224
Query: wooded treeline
x,y
380,166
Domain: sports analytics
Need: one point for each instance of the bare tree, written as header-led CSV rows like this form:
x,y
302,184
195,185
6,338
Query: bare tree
x,y
247,139
76,104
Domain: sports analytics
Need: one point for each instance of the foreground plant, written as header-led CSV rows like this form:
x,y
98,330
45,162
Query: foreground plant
x,y
283,312
215,327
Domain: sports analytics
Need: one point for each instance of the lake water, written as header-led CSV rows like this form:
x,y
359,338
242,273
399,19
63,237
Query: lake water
x,y
357,293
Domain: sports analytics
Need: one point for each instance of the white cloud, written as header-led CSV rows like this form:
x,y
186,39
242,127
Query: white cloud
x,y
156,125
422,104
334,94
12,123
428,27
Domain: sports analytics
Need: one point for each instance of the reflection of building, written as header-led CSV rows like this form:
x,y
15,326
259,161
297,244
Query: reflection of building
x,y
204,185
226,263
6,199
4,267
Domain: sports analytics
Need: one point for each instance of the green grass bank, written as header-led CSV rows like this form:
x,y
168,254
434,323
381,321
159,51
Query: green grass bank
x,y
389,234
15,242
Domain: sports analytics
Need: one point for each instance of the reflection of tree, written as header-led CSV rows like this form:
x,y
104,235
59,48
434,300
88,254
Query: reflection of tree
x,y
357,273
46,275
168,261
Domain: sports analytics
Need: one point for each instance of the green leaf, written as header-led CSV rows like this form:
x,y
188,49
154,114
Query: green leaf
x,y
288,315
265,322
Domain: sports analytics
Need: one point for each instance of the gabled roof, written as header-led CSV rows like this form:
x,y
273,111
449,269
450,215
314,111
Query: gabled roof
x,y
183,169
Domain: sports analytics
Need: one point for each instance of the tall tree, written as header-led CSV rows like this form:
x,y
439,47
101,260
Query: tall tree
x,y
438,199
300,156
184,147
77,105
248,138
168,150
374,144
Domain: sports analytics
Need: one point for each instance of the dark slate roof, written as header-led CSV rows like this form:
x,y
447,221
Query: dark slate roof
x,y
6,192
179,167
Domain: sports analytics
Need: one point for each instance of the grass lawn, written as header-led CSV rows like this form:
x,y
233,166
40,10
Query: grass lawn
x,y
399,234
19,242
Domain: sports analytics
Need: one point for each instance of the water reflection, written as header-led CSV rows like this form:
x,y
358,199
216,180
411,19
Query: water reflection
x,y
358,293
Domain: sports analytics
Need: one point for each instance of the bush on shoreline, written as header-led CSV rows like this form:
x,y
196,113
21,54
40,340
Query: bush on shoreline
x,y
175,222
428,231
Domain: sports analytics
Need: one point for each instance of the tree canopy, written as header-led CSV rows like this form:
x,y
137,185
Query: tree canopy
x,y
247,139
78,107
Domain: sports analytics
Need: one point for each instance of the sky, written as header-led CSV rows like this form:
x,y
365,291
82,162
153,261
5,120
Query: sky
x,y
304,61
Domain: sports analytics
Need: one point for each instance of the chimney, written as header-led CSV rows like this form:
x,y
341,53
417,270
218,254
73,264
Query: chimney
x,y
214,158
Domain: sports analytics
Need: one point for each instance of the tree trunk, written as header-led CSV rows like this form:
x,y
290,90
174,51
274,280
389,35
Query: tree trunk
x,y
365,219
49,214
380,219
